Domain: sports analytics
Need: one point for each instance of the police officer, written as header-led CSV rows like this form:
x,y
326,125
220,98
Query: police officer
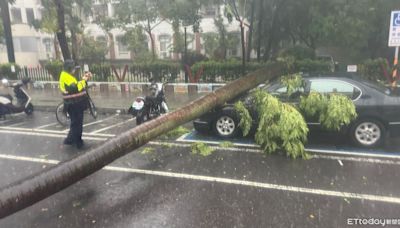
x,y
75,101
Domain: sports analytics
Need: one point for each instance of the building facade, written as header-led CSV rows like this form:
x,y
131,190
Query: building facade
x,y
33,47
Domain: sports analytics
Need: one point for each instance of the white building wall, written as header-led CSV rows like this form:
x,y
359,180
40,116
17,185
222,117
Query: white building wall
x,y
28,43
23,32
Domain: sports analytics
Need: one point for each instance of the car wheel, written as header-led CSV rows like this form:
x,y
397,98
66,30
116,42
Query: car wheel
x,y
368,133
226,124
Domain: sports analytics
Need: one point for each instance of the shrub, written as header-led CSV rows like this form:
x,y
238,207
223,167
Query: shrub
x,y
215,71
101,72
5,70
372,69
159,70
298,52
54,68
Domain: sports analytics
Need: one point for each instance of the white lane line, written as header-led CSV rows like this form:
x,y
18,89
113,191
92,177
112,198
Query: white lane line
x,y
17,124
48,135
47,125
253,184
95,122
215,142
20,129
342,152
112,126
249,150
319,151
102,137
5,121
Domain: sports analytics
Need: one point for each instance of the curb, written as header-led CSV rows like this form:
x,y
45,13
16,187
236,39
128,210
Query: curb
x,y
127,87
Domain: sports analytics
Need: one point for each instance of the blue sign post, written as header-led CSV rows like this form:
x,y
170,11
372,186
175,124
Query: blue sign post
x,y
394,40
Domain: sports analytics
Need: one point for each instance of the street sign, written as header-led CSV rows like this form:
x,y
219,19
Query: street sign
x,y
351,68
394,32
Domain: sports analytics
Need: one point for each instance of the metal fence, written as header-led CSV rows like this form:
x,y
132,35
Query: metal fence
x,y
111,74
36,74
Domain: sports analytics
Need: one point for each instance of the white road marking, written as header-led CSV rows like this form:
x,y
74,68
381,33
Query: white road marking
x,y
5,121
104,137
246,183
112,126
49,135
234,149
319,151
17,124
340,162
47,125
215,142
20,129
95,122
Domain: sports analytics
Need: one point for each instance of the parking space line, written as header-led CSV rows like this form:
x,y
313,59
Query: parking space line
x,y
364,154
246,183
215,142
47,125
49,135
51,131
249,150
112,126
5,121
17,124
95,122
31,130
312,150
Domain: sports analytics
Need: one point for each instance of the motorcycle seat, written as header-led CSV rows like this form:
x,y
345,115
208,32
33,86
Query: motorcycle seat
x,y
8,96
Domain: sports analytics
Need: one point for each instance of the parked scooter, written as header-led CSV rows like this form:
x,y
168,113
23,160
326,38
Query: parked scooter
x,y
23,103
149,107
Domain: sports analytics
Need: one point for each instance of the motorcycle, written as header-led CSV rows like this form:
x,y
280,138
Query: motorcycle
x,y
149,107
23,104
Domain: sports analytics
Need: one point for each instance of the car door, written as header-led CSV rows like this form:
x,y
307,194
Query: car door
x,y
280,91
330,86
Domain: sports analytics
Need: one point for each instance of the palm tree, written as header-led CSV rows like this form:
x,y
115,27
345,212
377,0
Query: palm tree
x,y
32,189
5,16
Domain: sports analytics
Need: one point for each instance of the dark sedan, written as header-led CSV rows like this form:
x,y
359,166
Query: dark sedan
x,y
378,110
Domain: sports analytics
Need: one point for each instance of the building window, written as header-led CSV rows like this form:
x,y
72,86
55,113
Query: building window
x,y
47,45
30,16
210,11
101,39
122,47
165,44
100,11
29,44
25,44
16,15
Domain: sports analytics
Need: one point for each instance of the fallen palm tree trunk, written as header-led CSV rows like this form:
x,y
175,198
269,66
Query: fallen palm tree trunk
x,y
32,189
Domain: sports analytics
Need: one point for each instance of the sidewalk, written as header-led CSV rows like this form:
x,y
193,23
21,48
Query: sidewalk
x,y
106,102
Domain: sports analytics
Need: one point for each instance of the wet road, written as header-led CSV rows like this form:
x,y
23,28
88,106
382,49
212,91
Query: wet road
x,y
164,185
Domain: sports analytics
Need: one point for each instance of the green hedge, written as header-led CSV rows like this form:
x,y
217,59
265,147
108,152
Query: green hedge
x,y
54,68
159,70
227,71
5,71
372,69
101,72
